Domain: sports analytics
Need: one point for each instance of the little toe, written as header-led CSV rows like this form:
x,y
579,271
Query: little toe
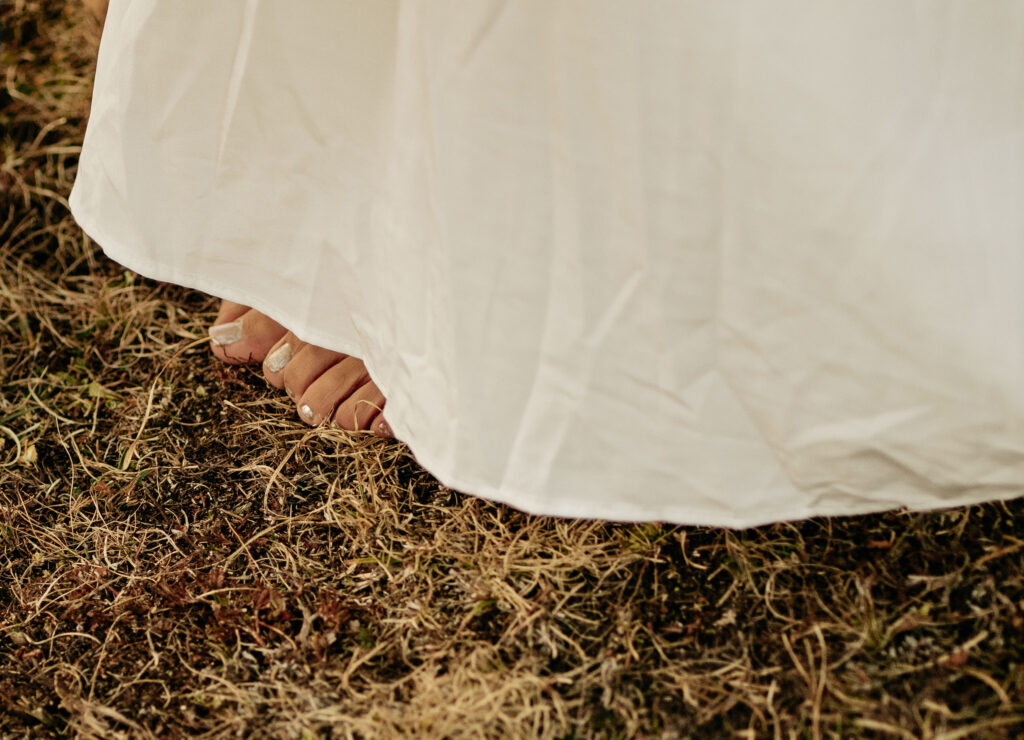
x,y
381,428
330,389
279,356
361,408
308,362
245,339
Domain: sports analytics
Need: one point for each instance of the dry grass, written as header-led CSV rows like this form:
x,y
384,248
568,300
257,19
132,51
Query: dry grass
x,y
180,556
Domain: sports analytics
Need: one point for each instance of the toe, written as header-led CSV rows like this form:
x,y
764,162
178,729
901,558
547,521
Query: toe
x,y
246,338
278,358
308,362
361,408
323,396
381,428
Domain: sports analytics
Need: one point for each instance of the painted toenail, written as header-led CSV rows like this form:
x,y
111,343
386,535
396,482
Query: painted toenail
x,y
307,412
280,357
225,334
290,393
383,430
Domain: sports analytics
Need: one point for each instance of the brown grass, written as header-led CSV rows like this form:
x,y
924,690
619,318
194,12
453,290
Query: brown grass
x,y
178,555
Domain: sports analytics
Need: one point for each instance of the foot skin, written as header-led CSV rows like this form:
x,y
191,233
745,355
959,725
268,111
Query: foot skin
x,y
325,385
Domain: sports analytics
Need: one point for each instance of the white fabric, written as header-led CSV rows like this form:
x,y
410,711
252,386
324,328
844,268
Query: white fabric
x,y
706,262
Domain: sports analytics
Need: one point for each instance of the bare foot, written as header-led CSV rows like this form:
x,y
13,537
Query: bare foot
x,y
325,385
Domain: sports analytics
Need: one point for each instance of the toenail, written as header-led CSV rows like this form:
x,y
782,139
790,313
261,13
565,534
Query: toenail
x,y
224,334
383,430
290,392
280,357
307,412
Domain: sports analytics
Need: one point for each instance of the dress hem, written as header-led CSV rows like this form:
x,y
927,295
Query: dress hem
x,y
427,458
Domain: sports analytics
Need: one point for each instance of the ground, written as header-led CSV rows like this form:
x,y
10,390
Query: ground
x,y
179,555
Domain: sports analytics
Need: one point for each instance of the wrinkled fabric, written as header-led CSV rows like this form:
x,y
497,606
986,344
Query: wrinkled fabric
x,y
716,263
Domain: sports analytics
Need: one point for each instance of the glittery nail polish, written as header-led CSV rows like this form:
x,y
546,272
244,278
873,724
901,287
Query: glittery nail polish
x,y
225,334
280,357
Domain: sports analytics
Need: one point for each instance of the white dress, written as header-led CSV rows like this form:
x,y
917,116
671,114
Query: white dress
x,y
705,262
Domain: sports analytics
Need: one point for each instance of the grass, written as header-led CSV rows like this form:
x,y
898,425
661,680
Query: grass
x,y
178,555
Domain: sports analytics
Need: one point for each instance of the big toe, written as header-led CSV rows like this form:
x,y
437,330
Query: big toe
x,y
243,335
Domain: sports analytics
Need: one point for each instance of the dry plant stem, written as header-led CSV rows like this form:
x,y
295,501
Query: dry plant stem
x,y
178,555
